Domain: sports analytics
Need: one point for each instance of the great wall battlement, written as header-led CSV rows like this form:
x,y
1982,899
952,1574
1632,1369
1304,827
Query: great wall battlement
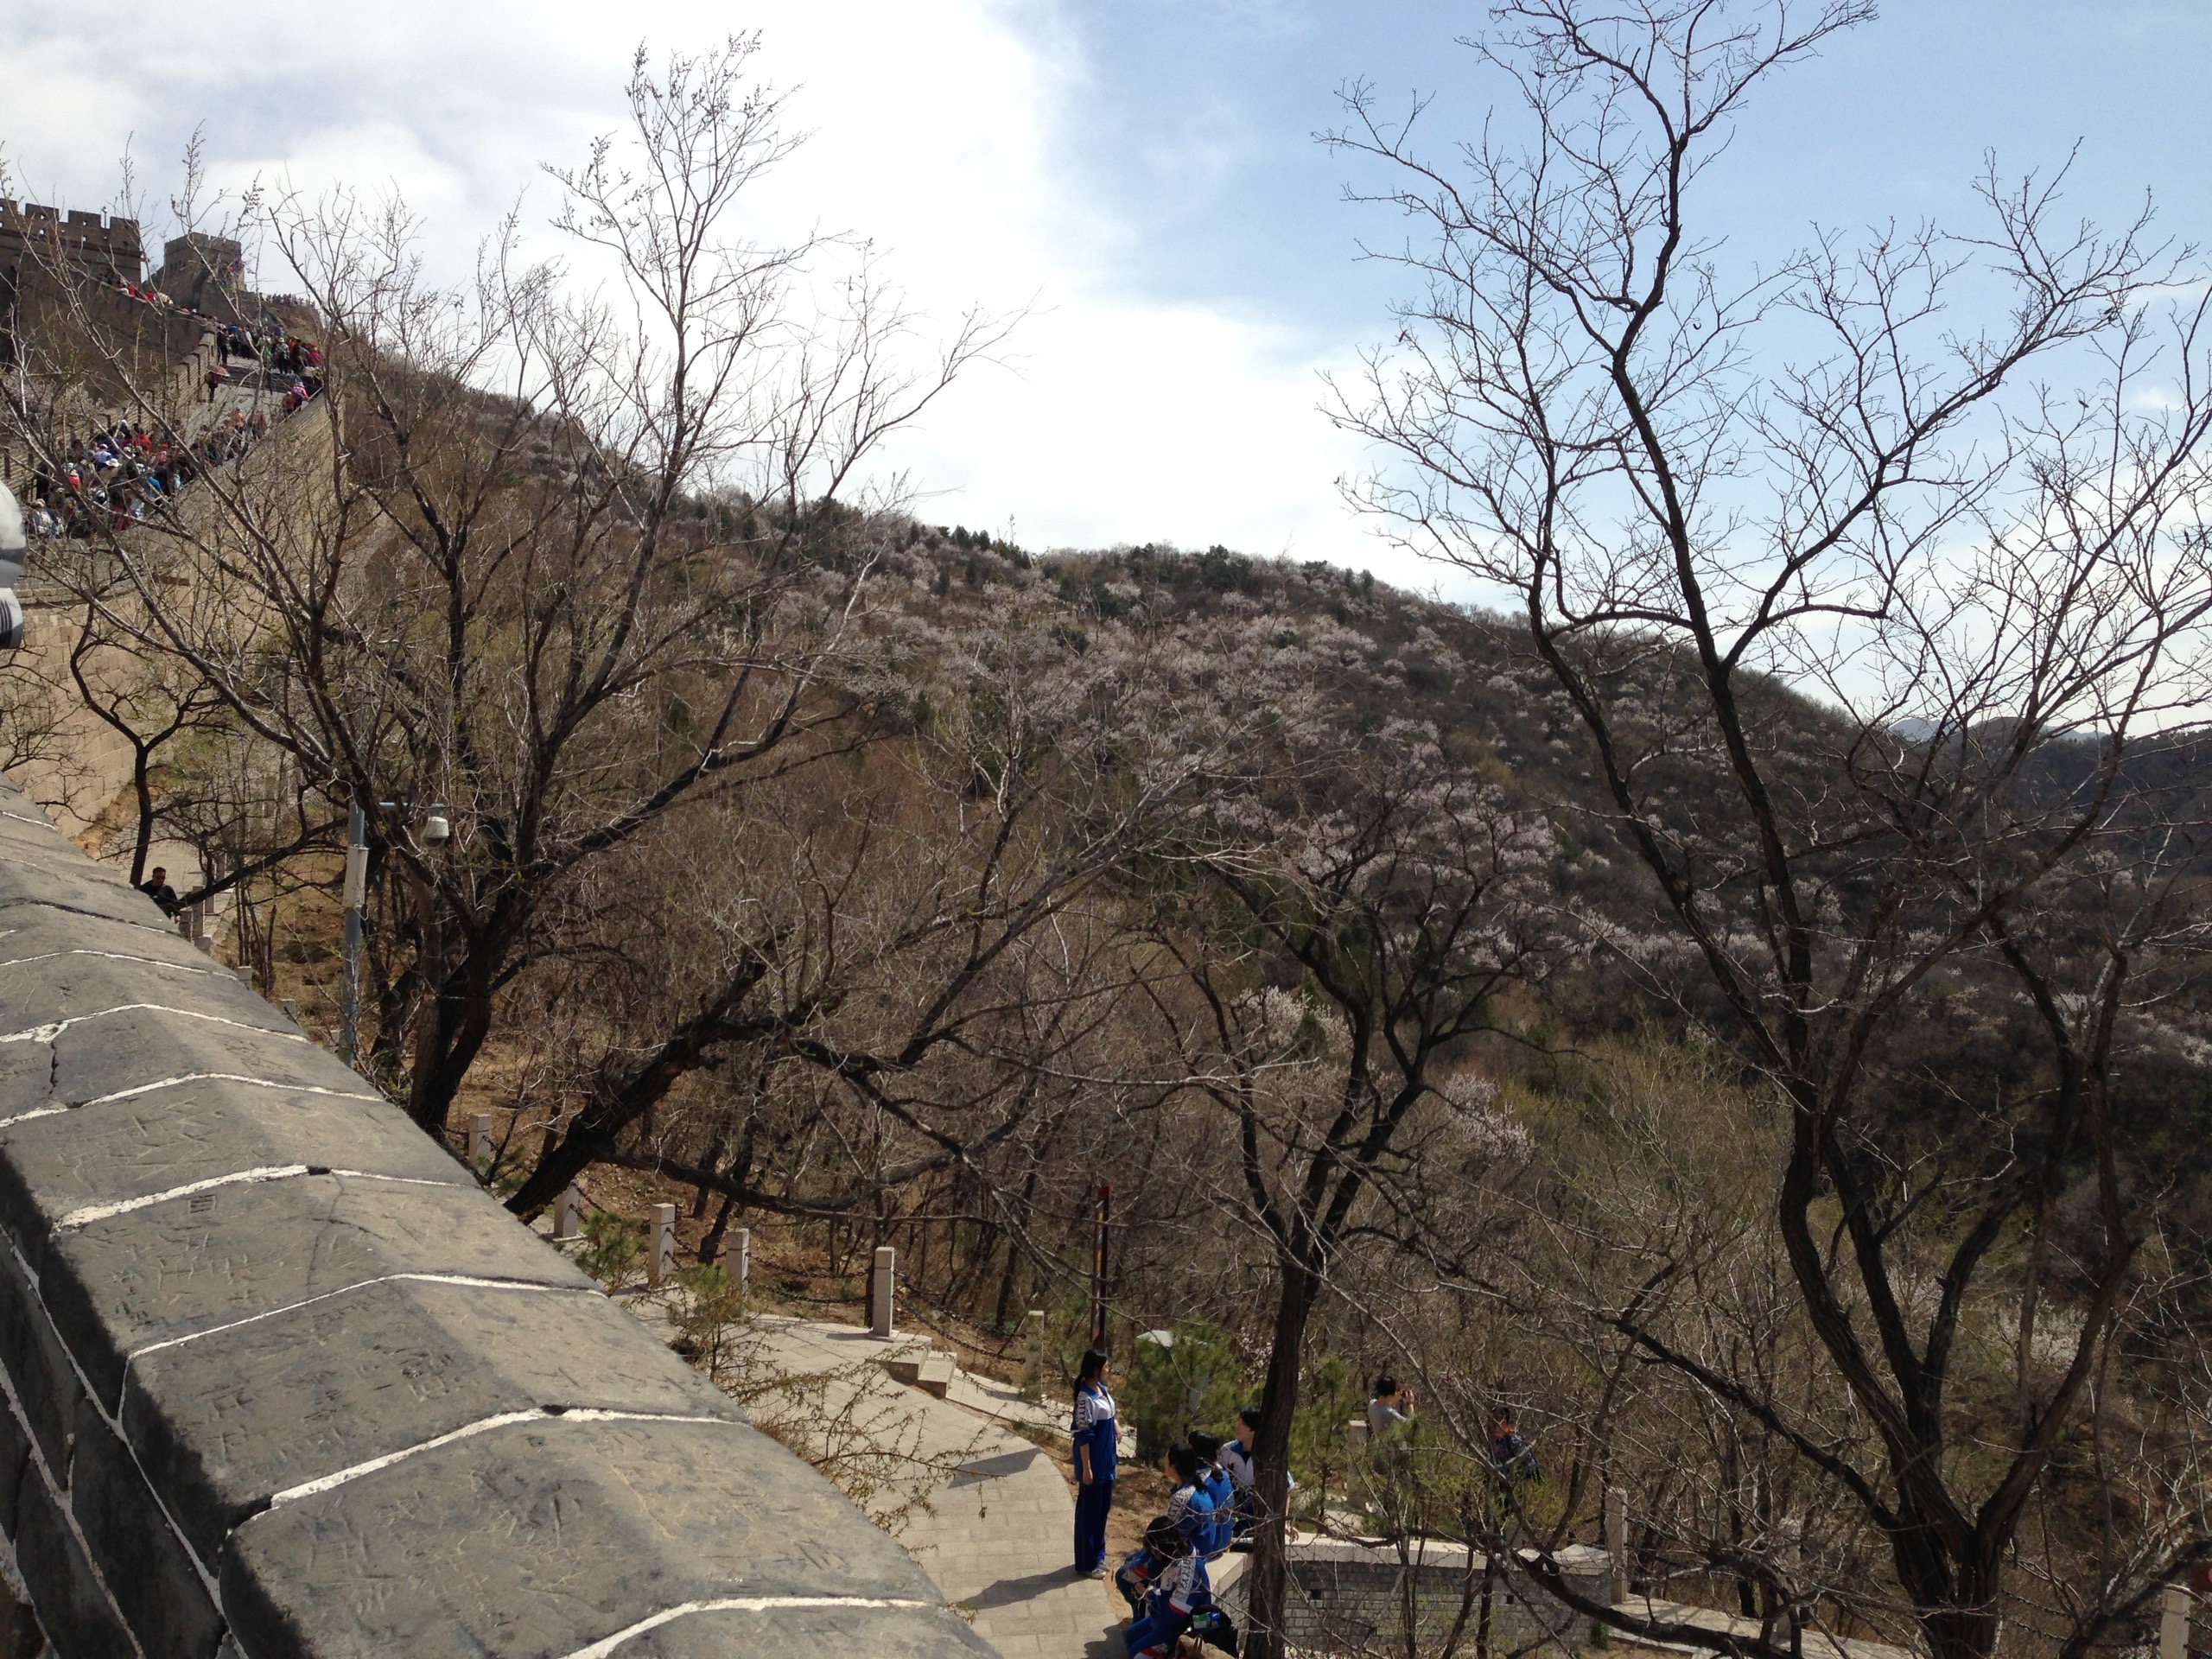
x,y
280,1378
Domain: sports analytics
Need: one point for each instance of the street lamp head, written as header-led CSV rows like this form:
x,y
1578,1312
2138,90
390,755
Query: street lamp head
x,y
436,829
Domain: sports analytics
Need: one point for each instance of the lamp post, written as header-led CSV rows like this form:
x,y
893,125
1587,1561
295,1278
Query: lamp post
x,y
355,896
436,831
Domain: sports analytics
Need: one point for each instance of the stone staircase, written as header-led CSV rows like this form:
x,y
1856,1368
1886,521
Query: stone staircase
x,y
925,1369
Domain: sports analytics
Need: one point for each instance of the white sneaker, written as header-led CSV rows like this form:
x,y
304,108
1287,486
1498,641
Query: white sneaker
x,y
1101,1570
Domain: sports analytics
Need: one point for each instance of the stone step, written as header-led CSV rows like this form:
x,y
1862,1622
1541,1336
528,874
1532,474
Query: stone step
x,y
924,1369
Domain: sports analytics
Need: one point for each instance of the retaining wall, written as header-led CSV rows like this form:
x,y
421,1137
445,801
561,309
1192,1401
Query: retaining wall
x,y
1350,1598
280,1378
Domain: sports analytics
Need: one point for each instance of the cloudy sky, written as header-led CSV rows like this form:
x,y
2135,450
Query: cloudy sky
x,y
1141,173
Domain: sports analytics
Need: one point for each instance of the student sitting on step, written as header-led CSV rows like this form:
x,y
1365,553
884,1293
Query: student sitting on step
x,y
1189,1506
1181,1591
1142,1566
1221,1496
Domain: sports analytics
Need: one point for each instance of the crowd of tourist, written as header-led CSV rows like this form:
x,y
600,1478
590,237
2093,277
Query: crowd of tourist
x,y
121,473
271,353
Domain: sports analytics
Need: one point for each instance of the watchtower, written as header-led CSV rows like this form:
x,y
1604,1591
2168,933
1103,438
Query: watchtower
x,y
205,273
105,249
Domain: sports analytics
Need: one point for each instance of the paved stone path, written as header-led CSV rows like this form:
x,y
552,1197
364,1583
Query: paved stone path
x,y
1001,1534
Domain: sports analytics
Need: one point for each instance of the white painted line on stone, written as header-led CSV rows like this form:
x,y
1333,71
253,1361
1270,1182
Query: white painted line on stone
x,y
214,1076
78,910
117,955
41,1111
462,1280
482,1425
735,1604
92,1212
47,1034
20,817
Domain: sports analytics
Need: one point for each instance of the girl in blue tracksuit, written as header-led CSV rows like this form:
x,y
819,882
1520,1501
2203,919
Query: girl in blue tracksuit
x,y
1189,1507
1220,1494
1094,1431
1181,1590
1142,1566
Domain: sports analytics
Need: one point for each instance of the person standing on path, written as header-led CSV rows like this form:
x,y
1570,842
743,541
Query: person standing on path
x,y
1391,1406
1094,1433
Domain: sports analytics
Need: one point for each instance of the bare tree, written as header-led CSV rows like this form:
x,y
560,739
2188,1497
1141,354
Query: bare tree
x,y
1403,893
1690,482
548,560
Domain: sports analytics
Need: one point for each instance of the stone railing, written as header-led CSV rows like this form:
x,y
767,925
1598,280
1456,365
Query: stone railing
x,y
280,1378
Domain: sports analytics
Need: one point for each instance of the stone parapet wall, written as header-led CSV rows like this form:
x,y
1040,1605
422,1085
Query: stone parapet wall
x,y
97,245
281,1379
1351,1598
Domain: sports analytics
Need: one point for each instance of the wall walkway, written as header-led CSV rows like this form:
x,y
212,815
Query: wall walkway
x,y
279,1379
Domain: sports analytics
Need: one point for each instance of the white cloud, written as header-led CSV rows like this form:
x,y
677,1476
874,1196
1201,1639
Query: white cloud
x,y
1120,416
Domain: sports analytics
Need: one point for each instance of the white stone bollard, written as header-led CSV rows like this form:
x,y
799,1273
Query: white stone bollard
x,y
882,1285
479,1140
737,1258
567,1212
663,1241
2173,1622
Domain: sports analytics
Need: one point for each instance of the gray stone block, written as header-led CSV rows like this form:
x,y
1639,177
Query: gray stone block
x,y
28,826
221,1425
144,1047
26,1078
153,1579
45,939
22,841
73,1603
184,1267
82,985
881,1633
69,882
37,1366
544,1539
54,1167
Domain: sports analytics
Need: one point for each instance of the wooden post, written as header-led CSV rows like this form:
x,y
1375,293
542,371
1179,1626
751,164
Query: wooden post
x,y
1105,1216
1616,1540
664,1257
737,1258
2173,1622
479,1140
1033,1354
881,1283
567,1212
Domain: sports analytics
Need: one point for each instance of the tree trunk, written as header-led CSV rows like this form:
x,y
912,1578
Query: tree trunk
x,y
142,785
1013,1257
710,1247
1271,1459
460,1041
